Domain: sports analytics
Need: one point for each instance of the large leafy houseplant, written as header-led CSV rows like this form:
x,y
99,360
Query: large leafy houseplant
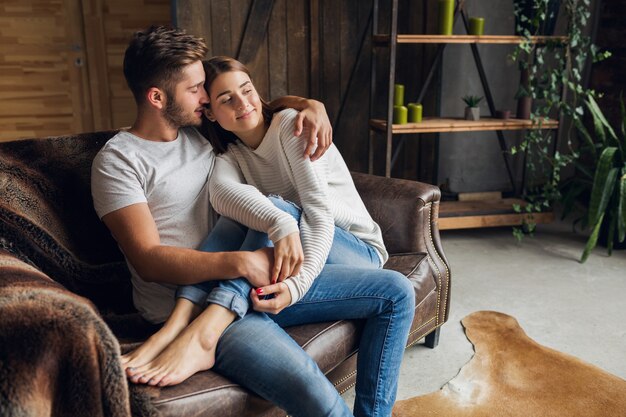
x,y
601,175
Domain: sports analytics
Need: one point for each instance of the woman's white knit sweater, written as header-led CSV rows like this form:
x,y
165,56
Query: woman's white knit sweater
x,y
243,177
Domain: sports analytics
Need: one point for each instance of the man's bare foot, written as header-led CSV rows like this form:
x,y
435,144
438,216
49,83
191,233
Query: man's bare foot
x,y
181,316
192,351
187,354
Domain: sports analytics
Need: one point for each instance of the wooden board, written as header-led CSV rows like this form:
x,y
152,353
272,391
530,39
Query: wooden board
x,y
449,124
41,84
61,64
491,39
256,29
487,195
486,213
496,220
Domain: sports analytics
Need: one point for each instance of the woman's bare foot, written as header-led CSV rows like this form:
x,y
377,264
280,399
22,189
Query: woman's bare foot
x,y
192,351
181,316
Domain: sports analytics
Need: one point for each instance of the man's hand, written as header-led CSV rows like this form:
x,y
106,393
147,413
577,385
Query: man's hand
x,y
314,118
288,257
258,266
281,299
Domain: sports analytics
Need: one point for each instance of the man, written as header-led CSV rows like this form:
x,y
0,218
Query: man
x,y
149,188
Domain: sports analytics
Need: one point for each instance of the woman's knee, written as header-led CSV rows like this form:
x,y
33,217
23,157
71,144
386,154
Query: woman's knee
x,y
284,205
401,288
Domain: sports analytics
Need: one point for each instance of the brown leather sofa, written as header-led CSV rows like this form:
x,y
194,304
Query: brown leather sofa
x,y
65,296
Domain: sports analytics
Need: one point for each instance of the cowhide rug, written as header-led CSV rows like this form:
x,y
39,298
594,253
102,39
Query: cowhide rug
x,y
512,375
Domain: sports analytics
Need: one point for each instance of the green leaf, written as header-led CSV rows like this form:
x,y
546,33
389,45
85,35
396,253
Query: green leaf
x,y
603,183
595,110
598,127
623,113
593,240
585,134
611,233
621,208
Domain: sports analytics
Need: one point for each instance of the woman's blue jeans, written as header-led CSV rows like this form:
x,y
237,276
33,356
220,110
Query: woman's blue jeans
x,y
228,235
349,287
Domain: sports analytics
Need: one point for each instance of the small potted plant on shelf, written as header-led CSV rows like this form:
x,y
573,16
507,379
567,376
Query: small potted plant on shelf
x,y
472,111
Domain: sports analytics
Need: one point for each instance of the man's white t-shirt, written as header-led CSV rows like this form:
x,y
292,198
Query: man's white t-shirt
x,y
172,178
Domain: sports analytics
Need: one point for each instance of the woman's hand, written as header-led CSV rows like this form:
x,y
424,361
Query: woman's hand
x,y
313,116
288,257
281,299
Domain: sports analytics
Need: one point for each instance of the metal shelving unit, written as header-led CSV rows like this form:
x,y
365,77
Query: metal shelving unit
x,y
453,214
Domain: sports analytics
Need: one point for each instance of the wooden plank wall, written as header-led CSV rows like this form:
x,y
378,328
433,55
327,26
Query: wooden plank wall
x,y
38,86
112,24
319,49
281,64
61,64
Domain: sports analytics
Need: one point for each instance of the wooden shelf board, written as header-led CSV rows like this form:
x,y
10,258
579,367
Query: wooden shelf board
x,y
491,39
485,213
435,124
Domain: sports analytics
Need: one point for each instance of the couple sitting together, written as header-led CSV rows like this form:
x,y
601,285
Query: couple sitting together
x,y
294,243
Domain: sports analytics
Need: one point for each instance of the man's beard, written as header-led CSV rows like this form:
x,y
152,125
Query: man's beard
x,y
175,115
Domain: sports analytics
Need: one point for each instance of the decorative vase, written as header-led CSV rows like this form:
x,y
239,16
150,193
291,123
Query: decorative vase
x,y
400,115
446,16
472,113
477,26
527,9
398,95
415,112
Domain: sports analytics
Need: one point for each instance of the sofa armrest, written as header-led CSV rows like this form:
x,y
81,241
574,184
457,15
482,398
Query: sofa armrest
x,y
406,211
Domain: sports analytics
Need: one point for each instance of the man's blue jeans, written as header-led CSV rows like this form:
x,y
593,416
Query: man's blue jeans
x,y
383,298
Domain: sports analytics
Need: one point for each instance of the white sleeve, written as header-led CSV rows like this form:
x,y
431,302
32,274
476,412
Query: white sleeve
x,y
317,225
232,197
115,183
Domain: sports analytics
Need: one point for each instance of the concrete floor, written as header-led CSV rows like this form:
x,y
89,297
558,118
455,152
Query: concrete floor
x,y
575,308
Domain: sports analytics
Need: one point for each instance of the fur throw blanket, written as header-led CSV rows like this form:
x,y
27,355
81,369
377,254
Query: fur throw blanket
x,y
57,264
66,357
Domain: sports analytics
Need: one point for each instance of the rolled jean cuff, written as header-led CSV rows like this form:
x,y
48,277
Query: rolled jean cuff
x,y
193,294
230,301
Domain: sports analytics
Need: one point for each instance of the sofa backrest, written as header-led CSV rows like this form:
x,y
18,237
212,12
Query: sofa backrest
x,y
47,217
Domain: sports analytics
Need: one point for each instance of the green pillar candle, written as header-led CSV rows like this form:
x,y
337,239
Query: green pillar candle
x,y
415,113
446,16
398,95
477,26
399,115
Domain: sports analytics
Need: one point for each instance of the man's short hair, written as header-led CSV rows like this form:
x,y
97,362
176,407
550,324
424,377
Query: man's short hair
x,y
156,56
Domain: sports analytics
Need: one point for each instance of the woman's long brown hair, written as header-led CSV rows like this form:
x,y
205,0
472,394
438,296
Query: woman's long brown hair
x,y
218,136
